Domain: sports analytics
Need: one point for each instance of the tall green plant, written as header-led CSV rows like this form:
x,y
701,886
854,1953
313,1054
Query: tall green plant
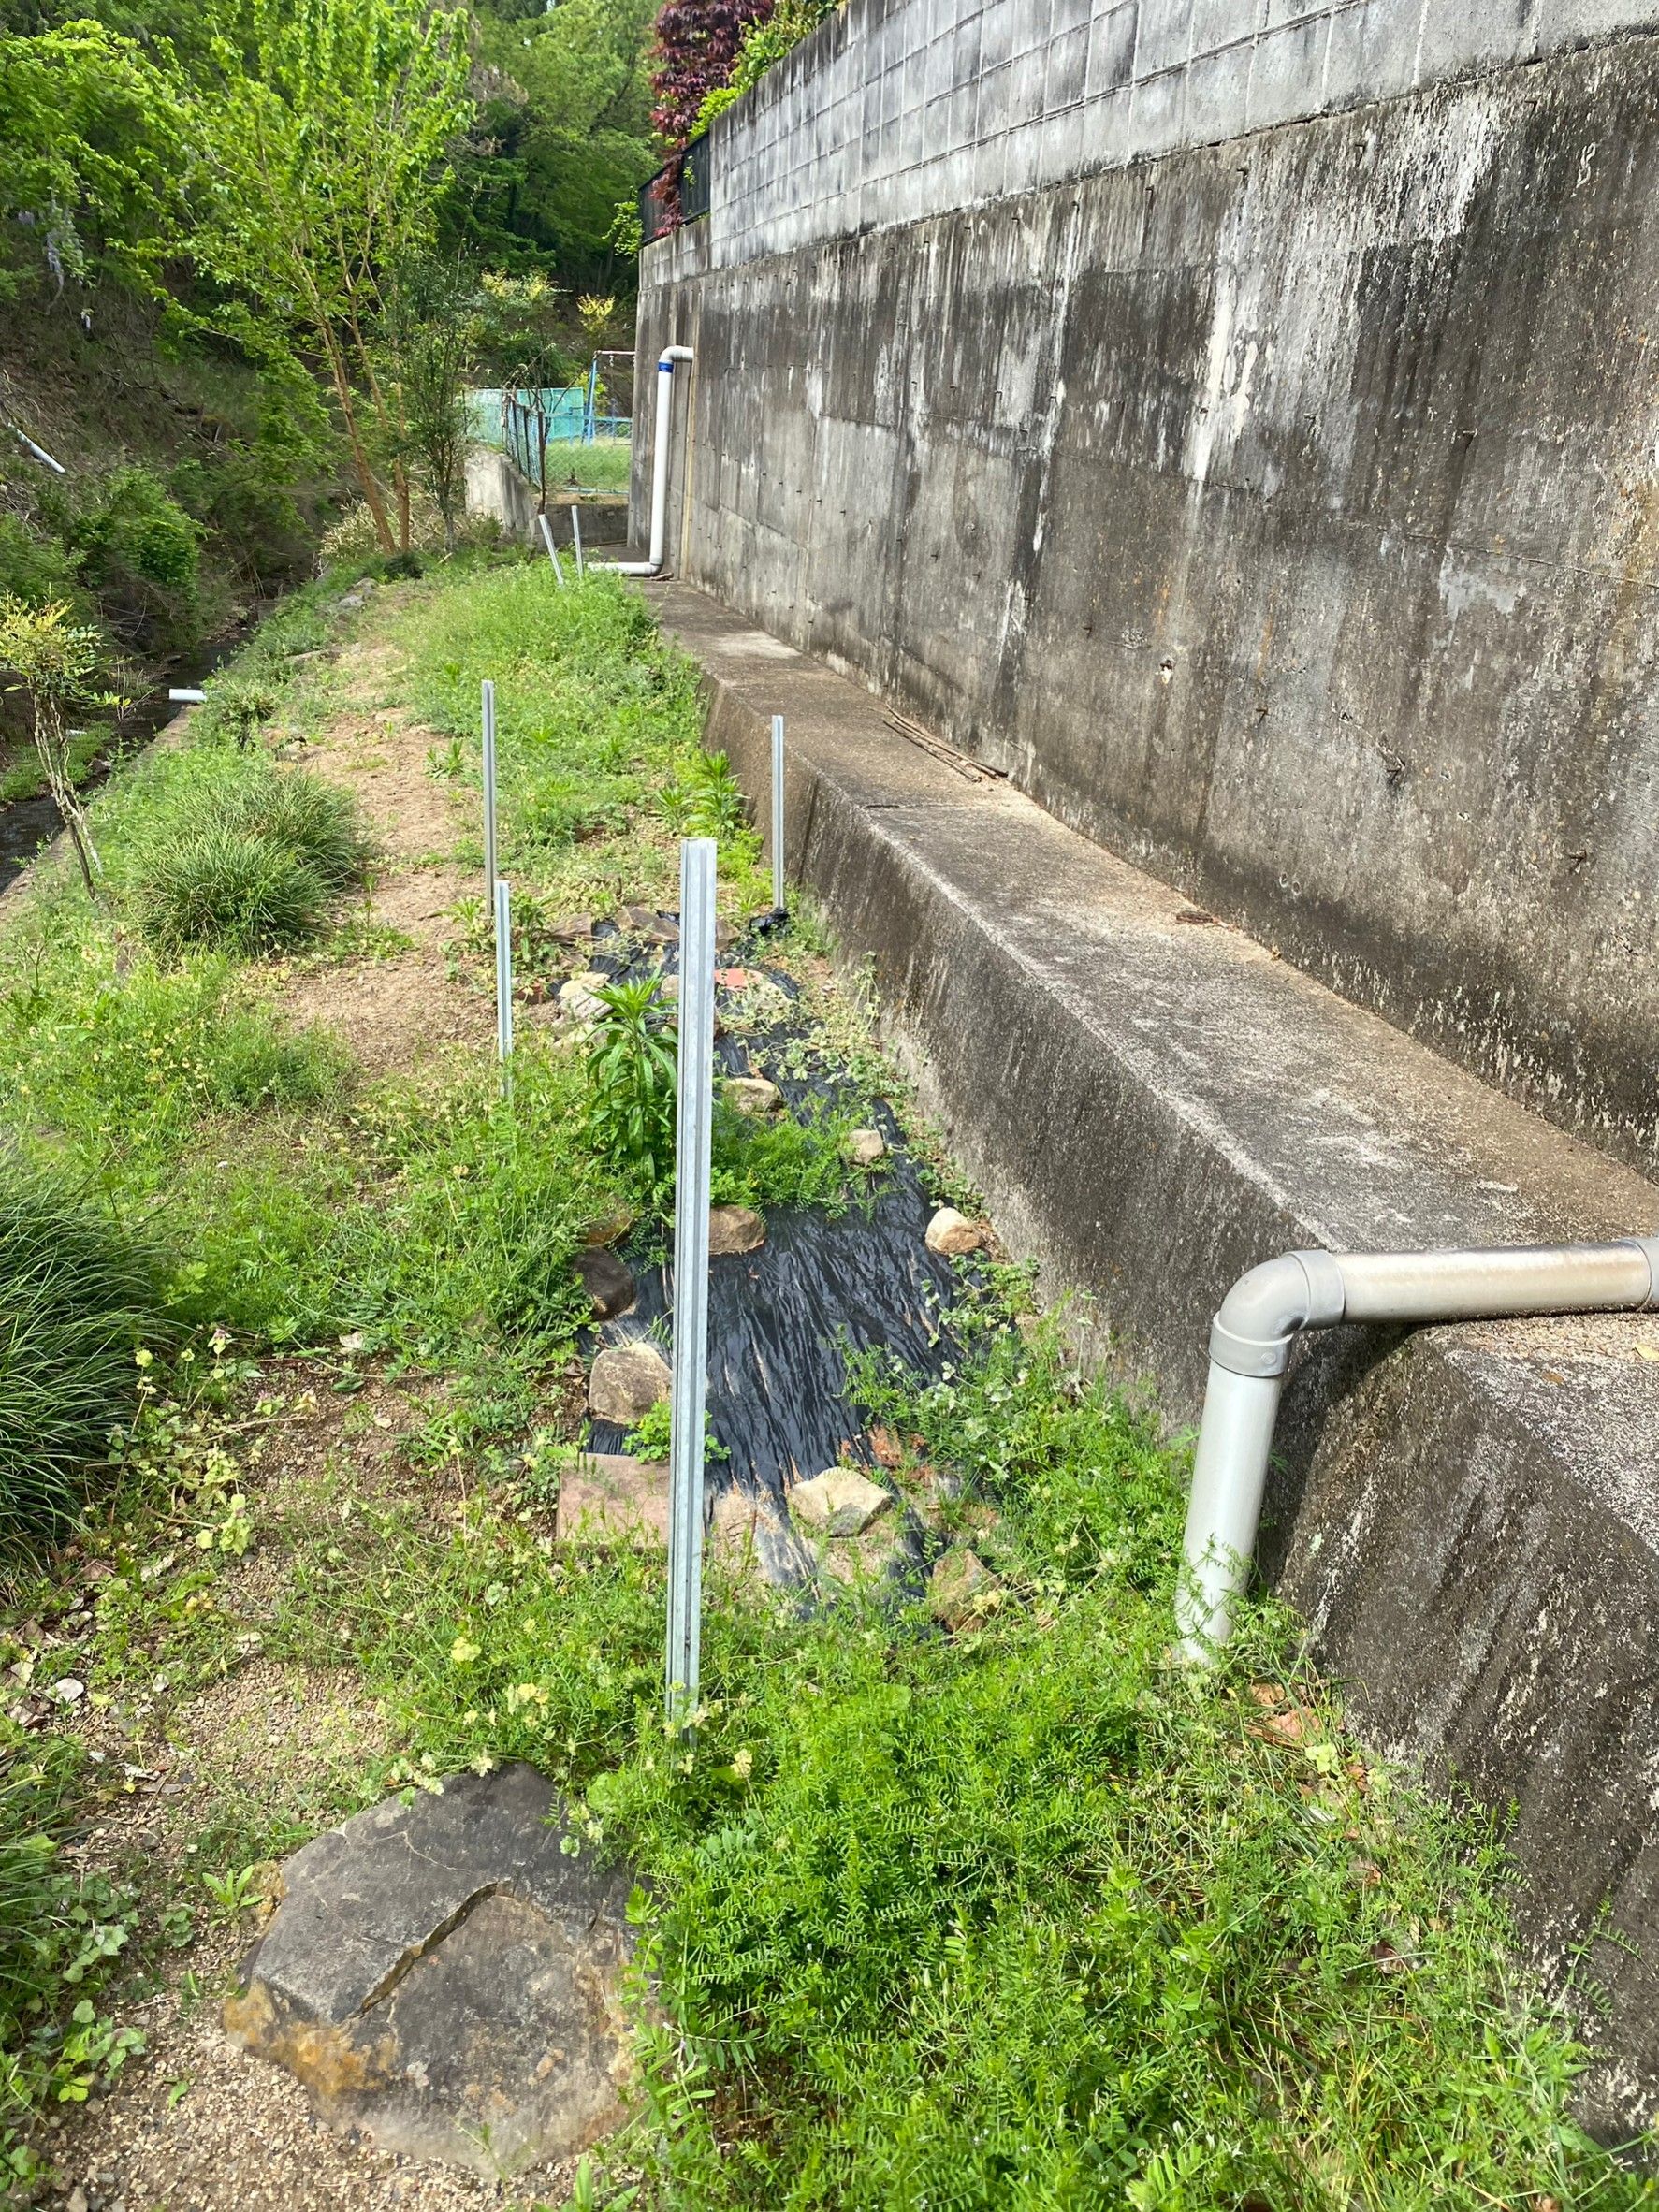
x,y
432,329
631,1072
326,151
55,663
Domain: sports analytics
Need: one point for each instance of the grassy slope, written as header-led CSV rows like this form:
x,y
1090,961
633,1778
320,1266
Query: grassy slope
x,y
1017,1919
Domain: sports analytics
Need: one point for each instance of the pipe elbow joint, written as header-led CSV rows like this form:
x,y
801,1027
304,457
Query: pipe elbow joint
x,y
1265,1311
671,354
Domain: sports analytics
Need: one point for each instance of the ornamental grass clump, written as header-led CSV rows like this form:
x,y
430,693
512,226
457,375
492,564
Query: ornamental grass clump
x,y
80,1298
250,865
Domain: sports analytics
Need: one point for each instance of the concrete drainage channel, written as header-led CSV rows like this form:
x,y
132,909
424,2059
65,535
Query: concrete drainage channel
x,y
1466,1516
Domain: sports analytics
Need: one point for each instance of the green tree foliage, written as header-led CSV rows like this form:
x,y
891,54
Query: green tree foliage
x,y
324,154
563,131
91,132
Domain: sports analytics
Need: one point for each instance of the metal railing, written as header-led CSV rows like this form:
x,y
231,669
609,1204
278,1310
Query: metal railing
x,y
677,194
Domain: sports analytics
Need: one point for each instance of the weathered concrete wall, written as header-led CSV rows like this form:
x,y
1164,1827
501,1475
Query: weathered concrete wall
x,y
1281,511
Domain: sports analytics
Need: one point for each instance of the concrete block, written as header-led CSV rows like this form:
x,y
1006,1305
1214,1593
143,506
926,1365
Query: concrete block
x,y
1029,75
1024,157
1474,35
993,102
997,34
1373,52
1218,23
1067,65
1157,115
1287,73
1164,38
1112,48
1060,153
1275,14
1104,140
1218,95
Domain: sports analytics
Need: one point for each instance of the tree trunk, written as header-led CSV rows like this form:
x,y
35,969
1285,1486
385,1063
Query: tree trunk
x,y
366,476
48,743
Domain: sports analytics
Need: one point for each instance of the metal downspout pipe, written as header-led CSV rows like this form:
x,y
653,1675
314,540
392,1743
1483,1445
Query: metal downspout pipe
x,y
1264,1313
665,360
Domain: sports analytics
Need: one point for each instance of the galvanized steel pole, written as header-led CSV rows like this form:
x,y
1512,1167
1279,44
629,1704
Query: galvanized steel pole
x,y
575,537
552,549
488,795
777,897
693,1130
504,982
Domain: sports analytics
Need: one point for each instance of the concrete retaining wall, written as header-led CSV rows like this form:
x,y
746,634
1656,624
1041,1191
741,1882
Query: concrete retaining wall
x,y
1280,508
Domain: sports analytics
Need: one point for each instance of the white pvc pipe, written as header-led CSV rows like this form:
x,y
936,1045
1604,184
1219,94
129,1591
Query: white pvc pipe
x,y
1264,1313
575,537
665,361
37,452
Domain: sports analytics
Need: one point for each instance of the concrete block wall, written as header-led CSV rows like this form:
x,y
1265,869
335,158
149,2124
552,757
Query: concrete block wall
x,y
897,110
1283,511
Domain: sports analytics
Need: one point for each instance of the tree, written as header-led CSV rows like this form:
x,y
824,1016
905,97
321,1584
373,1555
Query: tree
x,y
325,161
431,327
55,661
697,43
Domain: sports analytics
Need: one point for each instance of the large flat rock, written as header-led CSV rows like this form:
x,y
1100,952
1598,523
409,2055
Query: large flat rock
x,y
1153,1103
443,1976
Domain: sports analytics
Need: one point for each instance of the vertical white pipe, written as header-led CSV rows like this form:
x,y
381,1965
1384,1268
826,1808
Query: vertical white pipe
x,y
488,795
778,895
575,537
1228,1476
552,549
692,1136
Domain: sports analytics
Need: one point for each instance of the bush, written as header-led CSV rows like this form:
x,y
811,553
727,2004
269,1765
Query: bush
x,y
247,861
136,528
78,1295
231,888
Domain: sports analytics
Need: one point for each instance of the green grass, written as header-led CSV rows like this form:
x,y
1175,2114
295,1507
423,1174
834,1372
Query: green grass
x,y
1028,1919
81,1298
601,466
1023,1919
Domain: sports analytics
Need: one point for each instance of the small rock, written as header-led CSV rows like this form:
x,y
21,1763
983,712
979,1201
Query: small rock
x,y
76,2200
864,1147
733,1230
748,1537
576,999
753,1094
607,1280
654,928
931,1491
605,1229
841,1502
962,1590
69,1691
427,1963
628,1379
609,1498
575,929
952,1235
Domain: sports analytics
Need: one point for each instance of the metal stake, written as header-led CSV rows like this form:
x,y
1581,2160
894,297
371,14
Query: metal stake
x,y
778,908
692,1133
552,550
488,795
504,982
575,537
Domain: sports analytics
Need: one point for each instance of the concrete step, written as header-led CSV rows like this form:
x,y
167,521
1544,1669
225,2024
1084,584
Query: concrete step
x,y
1469,1516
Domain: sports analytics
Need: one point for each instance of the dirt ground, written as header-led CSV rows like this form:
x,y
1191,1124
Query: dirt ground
x,y
195,2125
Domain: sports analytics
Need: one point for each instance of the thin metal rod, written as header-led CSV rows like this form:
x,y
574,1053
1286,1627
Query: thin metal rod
x,y
552,550
488,795
504,982
777,895
575,537
693,1131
